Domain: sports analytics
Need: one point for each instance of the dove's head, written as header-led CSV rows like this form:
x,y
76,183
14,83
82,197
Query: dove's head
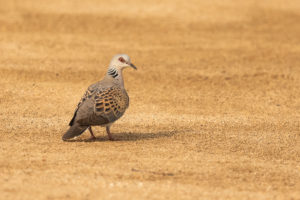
x,y
121,61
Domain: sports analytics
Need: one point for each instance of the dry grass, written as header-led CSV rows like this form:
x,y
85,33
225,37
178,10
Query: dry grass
x,y
214,108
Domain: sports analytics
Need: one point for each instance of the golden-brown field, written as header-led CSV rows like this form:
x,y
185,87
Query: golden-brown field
x,y
215,104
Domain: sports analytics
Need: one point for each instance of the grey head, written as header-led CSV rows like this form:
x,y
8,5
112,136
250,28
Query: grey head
x,y
116,66
121,61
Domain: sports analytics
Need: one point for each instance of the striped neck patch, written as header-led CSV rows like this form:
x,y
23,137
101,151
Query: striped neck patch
x,y
113,72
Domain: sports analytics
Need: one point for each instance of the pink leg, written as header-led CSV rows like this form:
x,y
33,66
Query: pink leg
x,y
92,134
110,137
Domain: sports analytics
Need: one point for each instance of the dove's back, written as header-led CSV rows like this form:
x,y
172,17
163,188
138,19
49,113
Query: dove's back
x,y
103,103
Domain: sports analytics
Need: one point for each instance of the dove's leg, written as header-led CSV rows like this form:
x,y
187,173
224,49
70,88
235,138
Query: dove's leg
x,y
92,134
110,137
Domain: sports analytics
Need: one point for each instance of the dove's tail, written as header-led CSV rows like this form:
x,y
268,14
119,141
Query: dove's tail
x,y
73,131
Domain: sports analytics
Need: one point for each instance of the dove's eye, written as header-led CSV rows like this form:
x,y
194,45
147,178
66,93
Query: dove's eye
x,y
121,59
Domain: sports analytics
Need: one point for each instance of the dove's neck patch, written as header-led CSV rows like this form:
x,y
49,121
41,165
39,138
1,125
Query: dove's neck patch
x,y
113,72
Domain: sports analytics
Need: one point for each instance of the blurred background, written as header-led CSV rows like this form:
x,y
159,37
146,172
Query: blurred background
x,y
214,104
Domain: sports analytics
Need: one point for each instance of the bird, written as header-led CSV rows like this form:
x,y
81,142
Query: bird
x,y
104,102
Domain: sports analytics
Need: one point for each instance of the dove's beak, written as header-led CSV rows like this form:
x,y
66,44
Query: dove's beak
x,y
133,66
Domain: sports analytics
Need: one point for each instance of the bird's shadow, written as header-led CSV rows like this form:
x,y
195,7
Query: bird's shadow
x,y
128,136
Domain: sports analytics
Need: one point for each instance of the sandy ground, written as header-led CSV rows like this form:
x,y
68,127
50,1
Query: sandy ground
x,y
214,108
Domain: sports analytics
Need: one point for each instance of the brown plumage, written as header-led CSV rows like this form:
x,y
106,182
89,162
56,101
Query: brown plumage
x,y
103,103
